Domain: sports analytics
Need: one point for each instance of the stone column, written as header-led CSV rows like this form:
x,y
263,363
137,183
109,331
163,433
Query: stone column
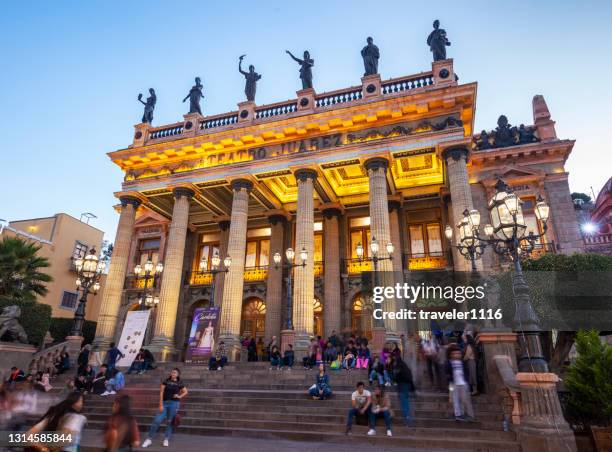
x,y
220,277
543,427
162,343
381,230
115,281
563,219
461,198
303,289
274,283
332,309
403,327
234,279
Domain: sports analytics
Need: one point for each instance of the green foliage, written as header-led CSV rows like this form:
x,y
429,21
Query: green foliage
x,y
589,381
35,318
21,277
60,328
586,198
576,262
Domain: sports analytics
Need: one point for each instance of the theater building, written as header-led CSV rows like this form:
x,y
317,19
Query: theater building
x,y
391,160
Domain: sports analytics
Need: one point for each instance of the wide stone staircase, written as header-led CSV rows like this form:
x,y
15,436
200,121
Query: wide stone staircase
x,y
251,401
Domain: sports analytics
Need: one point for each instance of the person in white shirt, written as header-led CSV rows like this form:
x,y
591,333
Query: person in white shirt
x,y
361,401
457,377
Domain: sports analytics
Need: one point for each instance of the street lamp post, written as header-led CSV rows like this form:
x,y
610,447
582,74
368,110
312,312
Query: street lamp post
x,y
507,236
89,271
375,258
290,265
147,299
214,270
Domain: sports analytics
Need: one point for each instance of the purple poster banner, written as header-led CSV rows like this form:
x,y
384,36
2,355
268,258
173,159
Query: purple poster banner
x,y
202,336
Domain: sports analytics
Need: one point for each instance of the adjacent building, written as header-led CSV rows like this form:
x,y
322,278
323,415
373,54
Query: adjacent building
x,y
63,239
385,161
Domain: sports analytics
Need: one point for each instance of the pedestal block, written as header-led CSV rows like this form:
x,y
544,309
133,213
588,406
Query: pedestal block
x,y
287,337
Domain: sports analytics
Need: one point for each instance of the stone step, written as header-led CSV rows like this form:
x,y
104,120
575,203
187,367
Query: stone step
x,y
333,436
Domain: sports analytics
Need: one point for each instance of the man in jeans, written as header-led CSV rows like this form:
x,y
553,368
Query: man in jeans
x,y
405,385
112,355
361,401
457,375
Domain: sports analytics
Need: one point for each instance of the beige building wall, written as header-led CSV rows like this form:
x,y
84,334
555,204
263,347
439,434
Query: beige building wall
x,y
63,231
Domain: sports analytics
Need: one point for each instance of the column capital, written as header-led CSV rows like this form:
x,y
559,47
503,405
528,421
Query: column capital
x,y
179,192
133,200
375,163
394,204
238,184
332,209
224,224
456,153
305,173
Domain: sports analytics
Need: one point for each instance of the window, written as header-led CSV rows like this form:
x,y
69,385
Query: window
x,y
318,247
530,219
257,248
425,240
69,300
80,250
148,249
360,233
207,250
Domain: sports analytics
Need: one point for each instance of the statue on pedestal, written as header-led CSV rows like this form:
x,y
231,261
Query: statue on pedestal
x,y
9,325
505,134
370,55
305,68
194,96
149,106
437,42
251,80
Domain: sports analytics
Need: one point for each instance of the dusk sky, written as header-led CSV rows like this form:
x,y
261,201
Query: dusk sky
x,y
72,72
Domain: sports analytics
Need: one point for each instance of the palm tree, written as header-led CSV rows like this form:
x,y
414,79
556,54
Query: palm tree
x,y
21,278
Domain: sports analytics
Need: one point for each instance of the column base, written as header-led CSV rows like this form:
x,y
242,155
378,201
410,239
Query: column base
x,y
101,344
74,348
287,337
232,345
379,336
163,349
301,344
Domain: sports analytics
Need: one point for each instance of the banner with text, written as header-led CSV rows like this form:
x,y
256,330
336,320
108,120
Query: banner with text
x,y
132,336
202,336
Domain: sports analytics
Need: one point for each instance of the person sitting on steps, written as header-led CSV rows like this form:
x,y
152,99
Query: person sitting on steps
x,y
275,358
288,357
381,407
361,400
321,389
219,360
363,356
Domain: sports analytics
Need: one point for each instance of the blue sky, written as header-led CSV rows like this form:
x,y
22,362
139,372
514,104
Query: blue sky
x,y
72,70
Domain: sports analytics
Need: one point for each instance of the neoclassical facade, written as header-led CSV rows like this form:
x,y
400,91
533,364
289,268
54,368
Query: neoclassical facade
x,y
394,160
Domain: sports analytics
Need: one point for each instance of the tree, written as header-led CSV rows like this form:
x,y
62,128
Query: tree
x,y
589,380
21,275
543,275
585,198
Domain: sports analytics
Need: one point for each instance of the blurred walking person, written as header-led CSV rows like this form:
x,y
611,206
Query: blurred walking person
x,y
122,429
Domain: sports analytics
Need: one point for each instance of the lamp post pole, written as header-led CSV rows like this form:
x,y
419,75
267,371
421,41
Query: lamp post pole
x,y
375,258
290,265
214,271
507,236
89,271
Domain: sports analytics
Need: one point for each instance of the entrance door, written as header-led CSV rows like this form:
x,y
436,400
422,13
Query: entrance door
x,y
254,318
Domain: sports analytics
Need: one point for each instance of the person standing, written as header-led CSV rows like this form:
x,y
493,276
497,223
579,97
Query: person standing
x,y
171,391
83,358
122,429
456,371
112,356
361,399
405,385
470,358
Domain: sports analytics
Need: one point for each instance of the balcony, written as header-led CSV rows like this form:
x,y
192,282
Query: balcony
x,y
542,248
255,273
426,261
355,266
206,278
135,282
200,278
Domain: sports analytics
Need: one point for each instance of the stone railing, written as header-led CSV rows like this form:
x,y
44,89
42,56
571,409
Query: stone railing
x,y
278,109
166,131
318,268
355,266
425,261
397,85
222,120
341,96
322,101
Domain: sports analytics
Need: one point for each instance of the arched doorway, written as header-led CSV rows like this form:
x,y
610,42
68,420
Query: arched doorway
x,y
253,318
318,317
361,319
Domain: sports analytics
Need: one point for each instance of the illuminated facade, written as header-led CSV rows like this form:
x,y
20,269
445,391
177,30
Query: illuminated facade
x,y
396,160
